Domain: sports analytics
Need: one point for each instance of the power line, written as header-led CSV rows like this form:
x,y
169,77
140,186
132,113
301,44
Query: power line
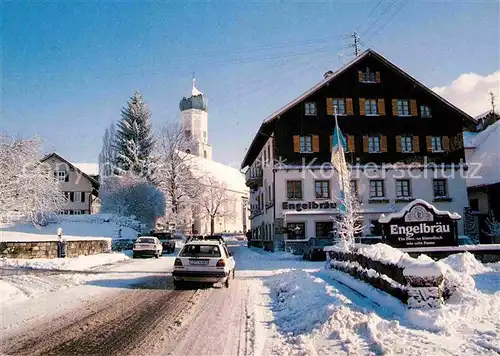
x,y
384,11
360,27
401,5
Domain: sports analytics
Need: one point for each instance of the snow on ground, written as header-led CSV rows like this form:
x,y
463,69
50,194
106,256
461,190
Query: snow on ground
x,y
18,283
75,227
307,310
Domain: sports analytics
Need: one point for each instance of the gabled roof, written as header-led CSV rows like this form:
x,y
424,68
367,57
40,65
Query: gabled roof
x,y
250,155
95,183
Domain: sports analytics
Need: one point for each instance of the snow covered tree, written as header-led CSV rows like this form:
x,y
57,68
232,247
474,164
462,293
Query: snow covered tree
x,y
470,228
350,221
173,173
132,195
134,141
493,226
216,201
108,154
27,186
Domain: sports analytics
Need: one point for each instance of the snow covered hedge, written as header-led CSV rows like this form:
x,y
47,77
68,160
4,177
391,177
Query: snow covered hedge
x,y
417,282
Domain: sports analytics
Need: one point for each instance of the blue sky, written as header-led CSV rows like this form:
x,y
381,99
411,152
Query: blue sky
x,y
67,69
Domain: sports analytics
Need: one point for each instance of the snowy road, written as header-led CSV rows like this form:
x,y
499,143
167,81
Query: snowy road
x,y
277,305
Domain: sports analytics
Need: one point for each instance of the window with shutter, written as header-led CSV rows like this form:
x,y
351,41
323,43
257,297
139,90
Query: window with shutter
x,y
371,107
71,196
296,143
83,197
425,111
350,143
416,144
403,108
78,196
407,144
329,106
294,189
315,143
383,143
305,144
362,109
340,104
381,107
374,144
310,109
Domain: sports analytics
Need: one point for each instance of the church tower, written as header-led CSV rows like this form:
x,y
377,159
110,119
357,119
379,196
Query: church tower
x,y
194,121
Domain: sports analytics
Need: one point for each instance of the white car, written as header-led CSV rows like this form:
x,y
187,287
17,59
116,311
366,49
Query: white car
x,y
147,245
204,261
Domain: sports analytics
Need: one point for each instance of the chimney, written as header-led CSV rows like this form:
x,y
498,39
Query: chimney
x,y
328,74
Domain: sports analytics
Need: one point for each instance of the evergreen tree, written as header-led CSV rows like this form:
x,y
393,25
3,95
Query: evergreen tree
x,y
134,140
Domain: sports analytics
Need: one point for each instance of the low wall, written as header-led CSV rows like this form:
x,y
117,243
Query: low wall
x,y
484,253
48,249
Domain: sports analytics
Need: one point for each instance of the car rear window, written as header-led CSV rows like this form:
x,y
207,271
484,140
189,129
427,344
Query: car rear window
x,y
200,251
323,242
145,240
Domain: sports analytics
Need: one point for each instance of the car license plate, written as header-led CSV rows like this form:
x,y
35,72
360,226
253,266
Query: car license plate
x,y
198,262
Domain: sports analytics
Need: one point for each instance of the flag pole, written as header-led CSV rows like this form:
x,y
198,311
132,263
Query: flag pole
x,y
339,143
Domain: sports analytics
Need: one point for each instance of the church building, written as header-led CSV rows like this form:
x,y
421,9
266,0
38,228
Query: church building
x,y
194,121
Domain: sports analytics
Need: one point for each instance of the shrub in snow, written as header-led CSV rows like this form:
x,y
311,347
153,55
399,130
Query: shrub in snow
x,y
132,195
493,226
27,186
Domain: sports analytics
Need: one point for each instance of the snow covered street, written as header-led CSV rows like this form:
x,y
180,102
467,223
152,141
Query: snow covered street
x,y
277,305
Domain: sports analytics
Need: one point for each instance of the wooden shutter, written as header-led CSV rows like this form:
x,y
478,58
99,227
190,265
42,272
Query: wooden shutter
x,y
413,108
394,107
362,108
360,76
71,196
399,146
83,197
365,143
381,106
377,77
55,174
329,106
349,108
331,143
66,177
315,143
350,143
446,143
416,144
383,143
428,143
296,143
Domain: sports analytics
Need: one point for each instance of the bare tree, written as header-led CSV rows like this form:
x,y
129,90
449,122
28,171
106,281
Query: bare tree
x,y
28,188
173,173
216,201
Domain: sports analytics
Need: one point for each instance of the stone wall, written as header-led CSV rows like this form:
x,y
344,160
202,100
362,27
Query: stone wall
x,y
48,249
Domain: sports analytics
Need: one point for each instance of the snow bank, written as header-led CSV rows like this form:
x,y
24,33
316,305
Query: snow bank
x,y
75,227
420,267
465,263
79,263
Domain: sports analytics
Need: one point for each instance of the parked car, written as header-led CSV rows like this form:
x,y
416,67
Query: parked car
x,y
204,261
166,239
313,249
215,238
147,246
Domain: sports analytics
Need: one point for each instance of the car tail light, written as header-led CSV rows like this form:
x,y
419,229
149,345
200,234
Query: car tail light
x,y
135,246
221,263
178,262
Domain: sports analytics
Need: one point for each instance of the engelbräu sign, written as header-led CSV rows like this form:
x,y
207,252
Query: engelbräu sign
x,y
312,205
420,224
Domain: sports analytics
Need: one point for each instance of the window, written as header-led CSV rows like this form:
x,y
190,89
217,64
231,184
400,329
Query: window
x,y
403,108
71,196
296,231
403,188
353,184
305,144
368,76
77,212
371,107
374,144
340,104
60,176
200,251
83,197
78,196
376,188
323,228
322,189
204,154
310,109
375,228
440,188
187,133
436,143
425,111
294,189
407,144
474,204
204,134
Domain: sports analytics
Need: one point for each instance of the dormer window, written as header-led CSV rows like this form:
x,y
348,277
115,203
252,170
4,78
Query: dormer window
x,y
425,111
368,76
310,108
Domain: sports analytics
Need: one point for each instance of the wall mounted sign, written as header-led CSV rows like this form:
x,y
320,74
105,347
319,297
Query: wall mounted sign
x,y
312,205
420,224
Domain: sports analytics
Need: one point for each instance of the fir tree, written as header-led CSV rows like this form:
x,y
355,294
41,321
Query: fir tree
x,y
134,140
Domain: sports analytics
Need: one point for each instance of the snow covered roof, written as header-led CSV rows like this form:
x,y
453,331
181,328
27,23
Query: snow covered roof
x,y
469,138
232,177
487,154
92,169
487,112
387,218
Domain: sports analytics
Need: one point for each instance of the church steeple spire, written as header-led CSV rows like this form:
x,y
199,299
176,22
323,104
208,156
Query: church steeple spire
x,y
194,90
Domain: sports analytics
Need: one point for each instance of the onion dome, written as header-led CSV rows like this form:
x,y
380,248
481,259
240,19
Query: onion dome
x,y
196,101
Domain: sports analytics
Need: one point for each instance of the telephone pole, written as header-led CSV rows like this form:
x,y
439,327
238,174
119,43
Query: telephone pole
x,y
492,96
356,43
